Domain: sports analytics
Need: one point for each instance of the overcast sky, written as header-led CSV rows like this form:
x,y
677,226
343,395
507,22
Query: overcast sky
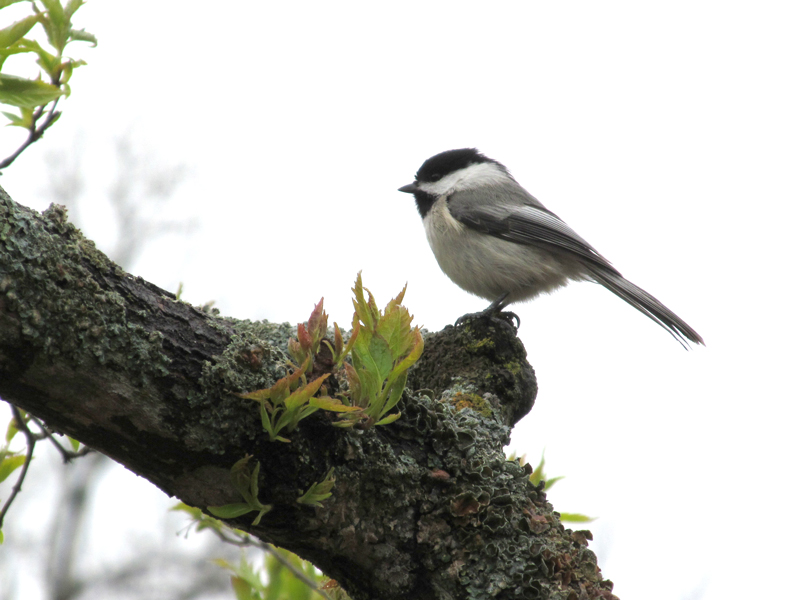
x,y
664,134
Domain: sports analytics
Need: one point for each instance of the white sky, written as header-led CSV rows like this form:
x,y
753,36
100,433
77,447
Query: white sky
x,y
666,135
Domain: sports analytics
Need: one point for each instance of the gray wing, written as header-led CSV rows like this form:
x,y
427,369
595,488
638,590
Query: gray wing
x,y
513,214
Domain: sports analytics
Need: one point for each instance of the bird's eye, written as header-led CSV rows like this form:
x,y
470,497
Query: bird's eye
x,y
436,177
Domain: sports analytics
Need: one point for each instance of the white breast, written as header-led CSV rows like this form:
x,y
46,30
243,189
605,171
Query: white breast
x,y
488,266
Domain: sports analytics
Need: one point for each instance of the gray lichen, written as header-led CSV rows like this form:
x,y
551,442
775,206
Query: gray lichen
x,y
51,287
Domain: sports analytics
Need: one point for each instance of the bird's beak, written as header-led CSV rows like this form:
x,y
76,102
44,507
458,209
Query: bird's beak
x,y
408,189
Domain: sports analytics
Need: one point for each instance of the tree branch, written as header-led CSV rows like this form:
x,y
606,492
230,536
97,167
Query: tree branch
x,y
426,508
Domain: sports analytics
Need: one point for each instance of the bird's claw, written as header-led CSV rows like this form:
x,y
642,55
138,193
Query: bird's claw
x,y
506,318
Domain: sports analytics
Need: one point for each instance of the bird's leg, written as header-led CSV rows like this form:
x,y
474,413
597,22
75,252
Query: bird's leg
x,y
495,313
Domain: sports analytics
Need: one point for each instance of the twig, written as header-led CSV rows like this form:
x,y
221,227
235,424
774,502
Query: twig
x,y
66,455
34,133
31,440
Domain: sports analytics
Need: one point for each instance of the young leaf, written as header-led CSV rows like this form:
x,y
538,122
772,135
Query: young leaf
x,y
15,31
230,511
254,481
10,464
317,325
338,342
301,395
72,6
390,419
240,476
332,404
243,590
319,491
304,337
11,430
396,301
81,35
575,518
550,482
26,93
411,358
396,392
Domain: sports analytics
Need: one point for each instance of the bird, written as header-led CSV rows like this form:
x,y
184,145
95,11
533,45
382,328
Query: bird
x,y
495,240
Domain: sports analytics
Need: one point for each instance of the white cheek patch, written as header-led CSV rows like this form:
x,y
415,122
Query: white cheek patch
x,y
473,176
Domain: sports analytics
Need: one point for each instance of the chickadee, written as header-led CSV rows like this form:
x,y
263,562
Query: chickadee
x,y
495,240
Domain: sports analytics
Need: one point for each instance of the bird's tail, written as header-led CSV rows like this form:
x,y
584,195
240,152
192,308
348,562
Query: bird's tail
x,y
647,304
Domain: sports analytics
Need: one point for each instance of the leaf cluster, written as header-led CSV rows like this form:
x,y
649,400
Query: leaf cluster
x,y
319,491
286,403
246,483
310,338
381,348
385,347
31,96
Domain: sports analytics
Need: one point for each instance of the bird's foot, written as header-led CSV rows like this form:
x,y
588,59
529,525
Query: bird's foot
x,y
504,318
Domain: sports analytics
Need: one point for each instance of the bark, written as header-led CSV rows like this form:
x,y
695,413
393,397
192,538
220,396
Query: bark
x,y
427,507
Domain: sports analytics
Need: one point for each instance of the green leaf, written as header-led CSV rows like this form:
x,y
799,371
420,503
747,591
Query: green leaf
x,y
2,537
250,580
55,9
552,481
370,386
230,511
538,473
367,311
396,393
332,404
351,342
266,421
10,464
72,6
56,24
25,119
390,419
240,476
319,491
26,93
11,430
74,443
397,300
413,356
242,589
283,422
378,359
254,481
301,395
576,518
16,31
258,395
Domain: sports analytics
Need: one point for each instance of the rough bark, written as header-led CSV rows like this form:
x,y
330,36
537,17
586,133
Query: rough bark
x,y
427,507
